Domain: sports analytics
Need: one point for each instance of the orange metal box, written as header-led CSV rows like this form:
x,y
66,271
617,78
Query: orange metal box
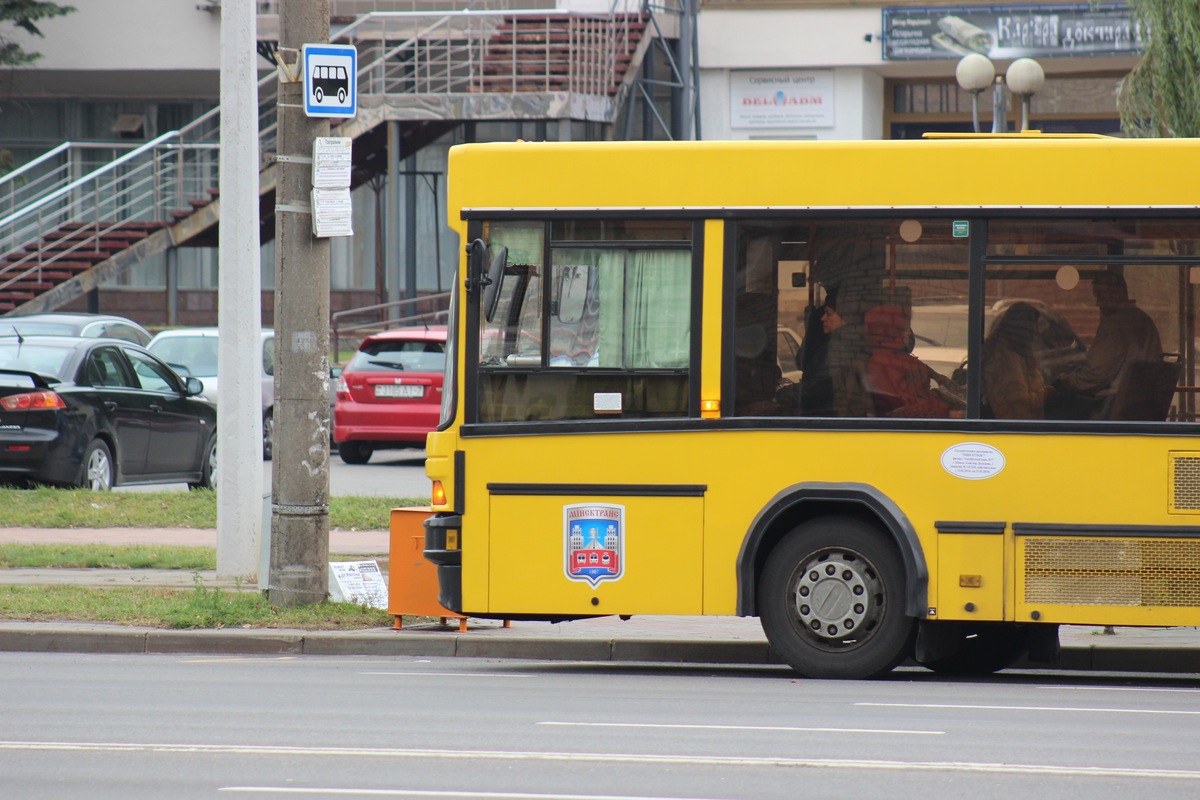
x,y
412,581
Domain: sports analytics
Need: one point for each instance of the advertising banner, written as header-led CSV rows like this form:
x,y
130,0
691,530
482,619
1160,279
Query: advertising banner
x,y
1010,31
781,99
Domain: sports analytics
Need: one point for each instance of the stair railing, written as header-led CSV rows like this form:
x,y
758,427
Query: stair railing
x,y
400,53
134,187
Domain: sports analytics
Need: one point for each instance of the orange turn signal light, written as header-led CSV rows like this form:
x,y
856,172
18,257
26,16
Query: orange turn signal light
x,y
439,494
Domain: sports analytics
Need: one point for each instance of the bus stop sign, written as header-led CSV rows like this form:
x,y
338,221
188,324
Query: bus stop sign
x,y
330,80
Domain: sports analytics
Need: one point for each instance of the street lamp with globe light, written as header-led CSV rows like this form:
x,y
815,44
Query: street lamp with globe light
x,y
975,72
1025,77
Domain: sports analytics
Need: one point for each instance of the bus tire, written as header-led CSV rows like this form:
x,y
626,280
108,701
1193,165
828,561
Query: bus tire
x,y
831,600
984,649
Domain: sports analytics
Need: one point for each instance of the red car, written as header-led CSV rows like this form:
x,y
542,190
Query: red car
x,y
390,394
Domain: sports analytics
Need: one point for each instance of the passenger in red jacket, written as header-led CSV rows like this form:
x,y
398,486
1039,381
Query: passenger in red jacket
x,y
898,381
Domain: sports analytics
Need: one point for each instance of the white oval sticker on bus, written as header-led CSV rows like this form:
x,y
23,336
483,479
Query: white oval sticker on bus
x,y
974,461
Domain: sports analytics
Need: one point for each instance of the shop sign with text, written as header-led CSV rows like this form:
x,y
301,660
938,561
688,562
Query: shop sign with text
x,y
781,99
1010,31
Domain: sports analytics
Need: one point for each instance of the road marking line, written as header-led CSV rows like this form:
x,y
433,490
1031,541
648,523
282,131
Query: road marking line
x,y
419,793
1117,689
452,674
1030,708
242,660
740,728
623,758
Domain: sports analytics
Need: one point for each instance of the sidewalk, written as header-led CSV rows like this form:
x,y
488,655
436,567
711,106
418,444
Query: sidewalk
x,y
659,639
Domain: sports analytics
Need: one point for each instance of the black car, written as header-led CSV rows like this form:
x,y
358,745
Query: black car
x,y
99,413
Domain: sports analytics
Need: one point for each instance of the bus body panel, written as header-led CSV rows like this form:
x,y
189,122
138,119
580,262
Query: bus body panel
x,y
675,545
962,173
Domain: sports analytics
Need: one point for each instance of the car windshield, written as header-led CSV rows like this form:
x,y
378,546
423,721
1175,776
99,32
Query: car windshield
x,y
196,354
41,328
407,356
42,359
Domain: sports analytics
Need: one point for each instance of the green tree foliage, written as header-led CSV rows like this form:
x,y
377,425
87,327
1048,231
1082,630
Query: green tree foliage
x,y
24,14
1161,96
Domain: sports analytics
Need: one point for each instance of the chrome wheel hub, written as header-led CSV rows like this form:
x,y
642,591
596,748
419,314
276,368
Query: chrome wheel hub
x,y
834,597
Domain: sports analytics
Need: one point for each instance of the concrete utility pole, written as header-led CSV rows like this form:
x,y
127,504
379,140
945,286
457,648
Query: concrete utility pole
x,y
299,572
239,448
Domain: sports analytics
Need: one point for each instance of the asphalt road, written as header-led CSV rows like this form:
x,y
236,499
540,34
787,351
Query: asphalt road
x,y
109,726
389,473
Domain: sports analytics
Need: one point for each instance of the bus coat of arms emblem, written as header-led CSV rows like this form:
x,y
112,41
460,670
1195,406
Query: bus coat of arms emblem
x,y
593,542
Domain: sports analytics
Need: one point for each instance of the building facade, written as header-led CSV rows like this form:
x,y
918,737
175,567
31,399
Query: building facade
x,y
121,72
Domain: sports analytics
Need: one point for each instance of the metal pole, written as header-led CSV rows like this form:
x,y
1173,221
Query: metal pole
x,y
999,107
392,207
239,307
410,232
299,559
682,112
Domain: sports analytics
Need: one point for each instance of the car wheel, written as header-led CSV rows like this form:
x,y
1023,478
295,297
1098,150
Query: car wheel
x,y
355,452
831,600
268,436
97,467
208,467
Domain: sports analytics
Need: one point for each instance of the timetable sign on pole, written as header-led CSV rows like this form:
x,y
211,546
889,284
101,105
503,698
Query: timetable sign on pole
x,y
330,80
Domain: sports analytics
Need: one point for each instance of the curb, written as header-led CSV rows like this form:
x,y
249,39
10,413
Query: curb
x,y
65,638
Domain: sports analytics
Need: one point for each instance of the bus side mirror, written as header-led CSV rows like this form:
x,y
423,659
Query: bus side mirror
x,y
492,282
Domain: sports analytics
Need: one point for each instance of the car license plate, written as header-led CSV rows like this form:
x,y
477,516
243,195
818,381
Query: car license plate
x,y
399,390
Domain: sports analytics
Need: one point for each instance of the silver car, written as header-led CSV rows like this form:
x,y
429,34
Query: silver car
x,y
192,352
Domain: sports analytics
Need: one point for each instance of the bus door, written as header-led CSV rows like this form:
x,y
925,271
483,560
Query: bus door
x,y
570,356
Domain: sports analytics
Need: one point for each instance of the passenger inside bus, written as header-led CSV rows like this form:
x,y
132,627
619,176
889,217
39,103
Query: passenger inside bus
x,y
816,386
900,383
1013,387
1126,336
847,357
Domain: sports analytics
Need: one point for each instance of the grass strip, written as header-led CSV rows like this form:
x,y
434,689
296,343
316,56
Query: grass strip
x,y
45,507
179,609
100,556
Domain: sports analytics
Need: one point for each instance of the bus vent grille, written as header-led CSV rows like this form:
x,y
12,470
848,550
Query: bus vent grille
x,y
1112,572
1185,483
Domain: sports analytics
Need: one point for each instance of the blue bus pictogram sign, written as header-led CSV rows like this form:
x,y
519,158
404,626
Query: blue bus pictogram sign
x,y
330,80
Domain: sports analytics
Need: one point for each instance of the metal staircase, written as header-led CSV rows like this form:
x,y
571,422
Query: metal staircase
x,y
68,223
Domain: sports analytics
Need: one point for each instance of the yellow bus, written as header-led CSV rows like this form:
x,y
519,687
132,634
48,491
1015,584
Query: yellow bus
x,y
919,400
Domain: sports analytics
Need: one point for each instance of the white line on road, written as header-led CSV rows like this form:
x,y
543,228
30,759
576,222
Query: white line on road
x,y
425,793
741,728
619,758
1030,708
1118,689
452,674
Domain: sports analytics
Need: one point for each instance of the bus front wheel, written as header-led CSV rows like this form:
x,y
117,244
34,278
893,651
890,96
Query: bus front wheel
x,y
831,600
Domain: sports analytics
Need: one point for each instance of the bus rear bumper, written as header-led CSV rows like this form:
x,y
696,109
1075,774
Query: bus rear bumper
x,y
442,536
